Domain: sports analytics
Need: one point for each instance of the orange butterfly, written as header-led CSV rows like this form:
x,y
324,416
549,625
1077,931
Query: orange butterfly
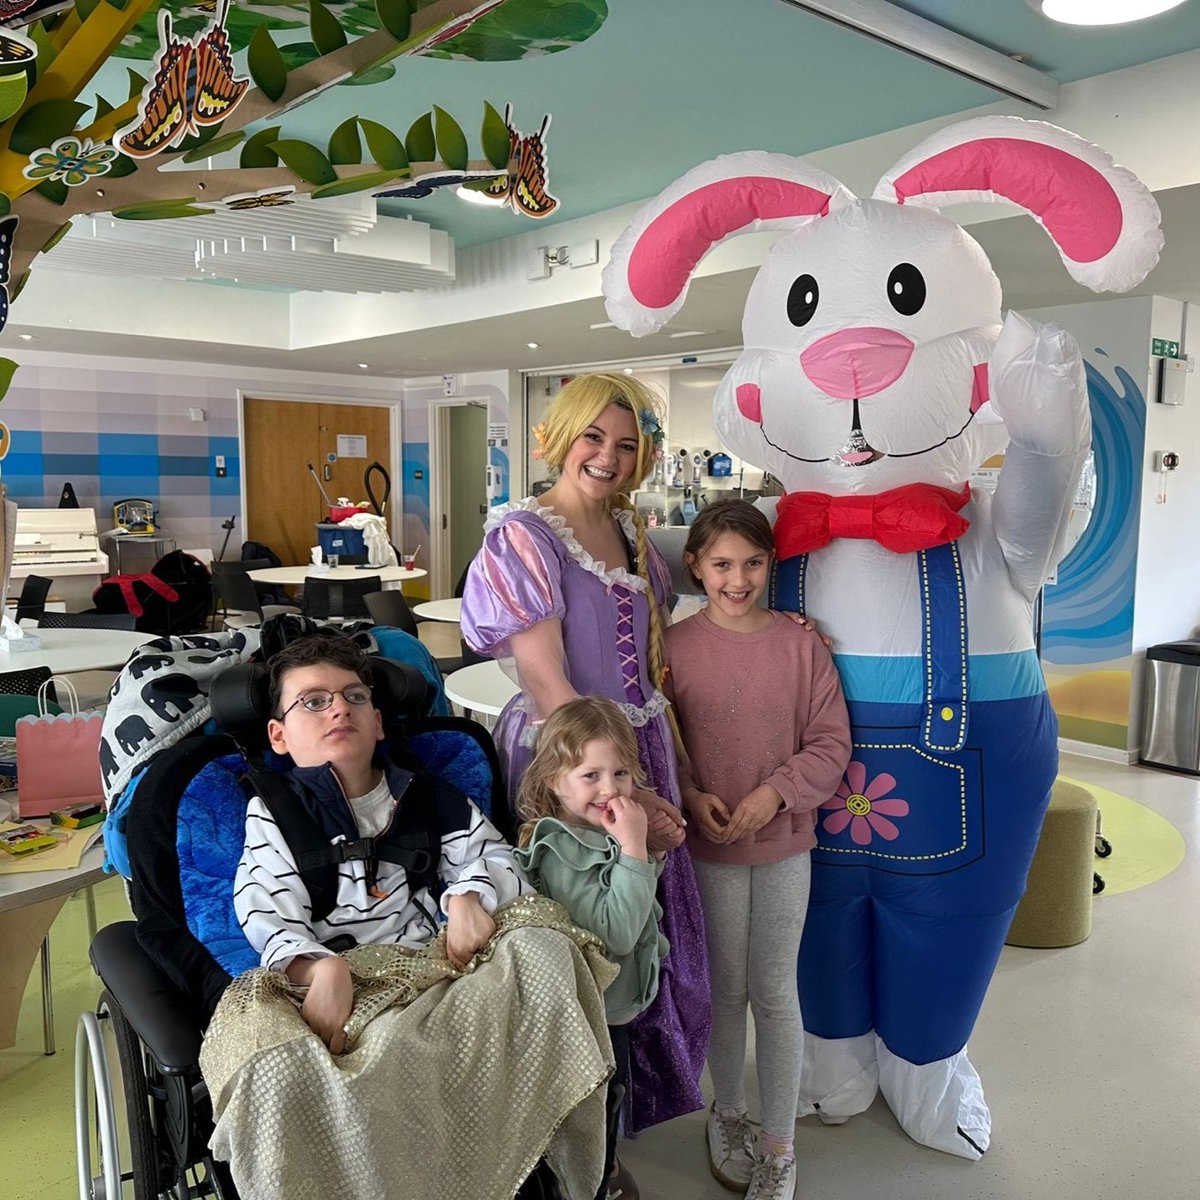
x,y
193,87
524,187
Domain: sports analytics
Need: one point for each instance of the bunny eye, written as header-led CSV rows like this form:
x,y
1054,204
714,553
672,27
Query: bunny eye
x,y
802,300
906,289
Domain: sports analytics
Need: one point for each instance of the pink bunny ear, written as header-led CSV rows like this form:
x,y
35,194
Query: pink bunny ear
x,y
1102,218
646,280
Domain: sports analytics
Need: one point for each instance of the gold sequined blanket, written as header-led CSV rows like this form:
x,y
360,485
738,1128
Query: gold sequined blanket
x,y
454,1083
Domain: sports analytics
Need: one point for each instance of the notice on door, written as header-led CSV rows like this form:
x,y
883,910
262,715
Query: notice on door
x,y
352,445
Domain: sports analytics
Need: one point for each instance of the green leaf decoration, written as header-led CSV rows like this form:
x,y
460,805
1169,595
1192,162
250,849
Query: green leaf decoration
x,y
15,291
215,146
327,32
380,74
257,151
101,109
451,141
418,141
266,64
7,368
54,190
396,17
298,54
56,237
306,161
161,210
136,83
46,51
494,135
121,166
85,8
358,183
345,146
13,91
386,148
5,205
38,126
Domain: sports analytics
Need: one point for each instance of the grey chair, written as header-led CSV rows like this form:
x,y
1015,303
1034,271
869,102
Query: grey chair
x,y
32,602
87,620
241,601
27,682
338,599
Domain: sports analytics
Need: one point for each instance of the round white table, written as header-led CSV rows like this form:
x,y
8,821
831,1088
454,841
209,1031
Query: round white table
x,y
480,688
67,650
295,576
440,610
29,903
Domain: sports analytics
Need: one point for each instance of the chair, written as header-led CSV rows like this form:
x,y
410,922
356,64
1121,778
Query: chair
x,y
352,560
25,683
239,593
87,620
391,608
32,601
338,599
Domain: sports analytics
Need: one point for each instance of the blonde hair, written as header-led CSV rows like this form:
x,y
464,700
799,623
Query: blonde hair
x,y
575,408
561,745
579,404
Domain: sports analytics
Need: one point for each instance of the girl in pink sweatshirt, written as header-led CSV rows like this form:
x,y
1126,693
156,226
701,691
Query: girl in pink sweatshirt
x,y
767,736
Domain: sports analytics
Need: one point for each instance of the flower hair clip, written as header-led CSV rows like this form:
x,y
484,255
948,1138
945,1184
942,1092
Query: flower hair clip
x,y
539,435
652,428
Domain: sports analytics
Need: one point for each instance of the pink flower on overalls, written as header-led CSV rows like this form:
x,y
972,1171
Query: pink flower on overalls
x,y
865,809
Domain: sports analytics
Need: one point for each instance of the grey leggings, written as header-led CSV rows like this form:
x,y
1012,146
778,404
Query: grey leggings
x,y
754,917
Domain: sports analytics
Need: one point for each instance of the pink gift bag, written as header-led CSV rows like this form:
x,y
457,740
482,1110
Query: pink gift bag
x,y
58,756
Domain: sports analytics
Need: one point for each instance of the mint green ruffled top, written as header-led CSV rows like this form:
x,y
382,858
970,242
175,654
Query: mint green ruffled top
x,y
609,893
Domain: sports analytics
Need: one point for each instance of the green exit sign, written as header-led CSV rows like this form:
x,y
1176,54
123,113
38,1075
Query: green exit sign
x,y
1161,348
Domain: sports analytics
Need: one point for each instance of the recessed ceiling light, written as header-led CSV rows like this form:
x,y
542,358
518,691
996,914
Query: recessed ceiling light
x,y
628,370
25,337
472,196
533,345
1102,12
363,366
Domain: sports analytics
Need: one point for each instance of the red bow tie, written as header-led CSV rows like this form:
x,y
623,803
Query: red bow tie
x,y
914,517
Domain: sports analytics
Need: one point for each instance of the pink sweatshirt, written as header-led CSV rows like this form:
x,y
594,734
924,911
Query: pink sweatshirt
x,y
756,708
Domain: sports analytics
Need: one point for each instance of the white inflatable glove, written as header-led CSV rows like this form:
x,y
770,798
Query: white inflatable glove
x,y
1038,387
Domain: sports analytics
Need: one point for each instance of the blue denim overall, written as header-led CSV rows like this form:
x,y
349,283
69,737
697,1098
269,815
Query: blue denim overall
x,y
911,902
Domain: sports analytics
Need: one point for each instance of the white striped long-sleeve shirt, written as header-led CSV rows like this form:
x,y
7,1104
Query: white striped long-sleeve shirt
x,y
273,908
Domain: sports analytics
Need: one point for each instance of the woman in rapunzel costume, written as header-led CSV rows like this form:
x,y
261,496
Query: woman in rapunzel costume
x,y
570,596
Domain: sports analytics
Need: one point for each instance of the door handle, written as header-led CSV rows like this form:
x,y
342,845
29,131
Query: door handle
x,y
327,470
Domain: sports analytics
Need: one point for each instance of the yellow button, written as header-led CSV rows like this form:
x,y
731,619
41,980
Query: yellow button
x,y
947,714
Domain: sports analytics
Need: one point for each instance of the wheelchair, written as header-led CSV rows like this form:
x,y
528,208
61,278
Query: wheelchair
x,y
143,1116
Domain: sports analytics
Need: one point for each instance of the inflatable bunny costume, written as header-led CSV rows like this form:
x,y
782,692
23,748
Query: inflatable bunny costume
x,y
876,376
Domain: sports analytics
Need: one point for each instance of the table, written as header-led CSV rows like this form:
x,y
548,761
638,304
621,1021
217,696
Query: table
x,y
29,903
159,541
481,688
295,576
67,650
440,610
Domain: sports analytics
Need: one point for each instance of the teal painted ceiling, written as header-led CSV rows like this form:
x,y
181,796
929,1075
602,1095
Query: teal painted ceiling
x,y
665,84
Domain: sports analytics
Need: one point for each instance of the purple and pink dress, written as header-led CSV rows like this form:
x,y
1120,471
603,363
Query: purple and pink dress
x,y
532,569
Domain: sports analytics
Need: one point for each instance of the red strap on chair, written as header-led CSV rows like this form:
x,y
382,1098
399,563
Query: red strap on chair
x,y
132,604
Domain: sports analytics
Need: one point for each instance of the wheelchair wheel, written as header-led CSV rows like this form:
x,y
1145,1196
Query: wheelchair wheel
x,y
148,1181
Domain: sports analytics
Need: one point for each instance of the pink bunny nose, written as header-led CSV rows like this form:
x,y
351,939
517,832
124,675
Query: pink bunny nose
x,y
855,363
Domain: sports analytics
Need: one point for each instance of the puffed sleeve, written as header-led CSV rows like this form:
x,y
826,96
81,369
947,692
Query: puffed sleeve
x,y
513,584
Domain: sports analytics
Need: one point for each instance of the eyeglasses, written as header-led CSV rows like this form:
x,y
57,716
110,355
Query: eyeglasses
x,y
319,699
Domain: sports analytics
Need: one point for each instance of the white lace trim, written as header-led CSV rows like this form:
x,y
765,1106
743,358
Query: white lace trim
x,y
637,717
565,534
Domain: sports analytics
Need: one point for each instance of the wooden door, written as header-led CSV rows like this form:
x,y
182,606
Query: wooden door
x,y
283,503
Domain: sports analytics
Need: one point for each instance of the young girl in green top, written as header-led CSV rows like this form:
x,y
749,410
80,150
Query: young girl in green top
x,y
583,843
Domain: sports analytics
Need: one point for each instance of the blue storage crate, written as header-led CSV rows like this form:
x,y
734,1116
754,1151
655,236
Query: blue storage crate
x,y
338,539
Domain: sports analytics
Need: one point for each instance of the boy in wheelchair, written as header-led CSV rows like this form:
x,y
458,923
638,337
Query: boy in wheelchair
x,y
372,1055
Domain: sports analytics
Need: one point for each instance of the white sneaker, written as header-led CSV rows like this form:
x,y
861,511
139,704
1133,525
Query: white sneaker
x,y
774,1178
730,1150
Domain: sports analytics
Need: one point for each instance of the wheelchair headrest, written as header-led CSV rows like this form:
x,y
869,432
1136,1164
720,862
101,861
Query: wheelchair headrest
x,y
241,697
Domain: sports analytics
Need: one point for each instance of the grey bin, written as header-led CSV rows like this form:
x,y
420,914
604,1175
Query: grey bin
x,y
1171,706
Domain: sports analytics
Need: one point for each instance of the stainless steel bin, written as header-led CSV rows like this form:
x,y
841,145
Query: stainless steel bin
x,y
1171,706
